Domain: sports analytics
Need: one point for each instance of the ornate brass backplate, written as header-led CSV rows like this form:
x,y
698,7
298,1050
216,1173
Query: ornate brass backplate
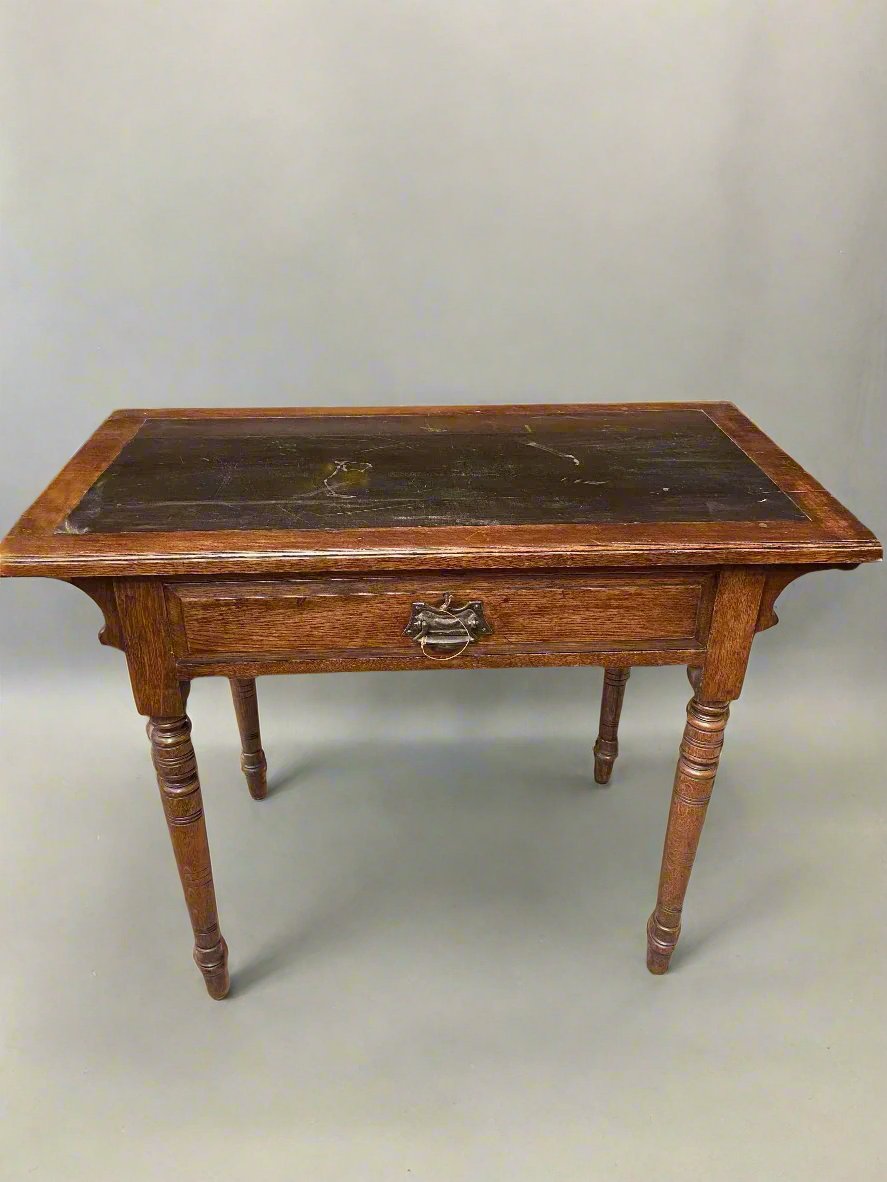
x,y
447,628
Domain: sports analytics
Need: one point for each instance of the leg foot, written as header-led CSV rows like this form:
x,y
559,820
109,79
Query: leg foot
x,y
176,769
694,780
252,759
607,746
213,963
658,951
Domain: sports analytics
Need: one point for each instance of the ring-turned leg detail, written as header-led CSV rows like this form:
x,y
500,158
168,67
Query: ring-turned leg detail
x,y
252,759
176,768
694,780
607,746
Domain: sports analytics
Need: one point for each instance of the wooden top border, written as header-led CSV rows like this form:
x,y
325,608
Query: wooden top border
x,y
831,536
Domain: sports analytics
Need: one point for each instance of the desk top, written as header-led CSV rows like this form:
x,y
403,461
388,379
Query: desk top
x,y
269,491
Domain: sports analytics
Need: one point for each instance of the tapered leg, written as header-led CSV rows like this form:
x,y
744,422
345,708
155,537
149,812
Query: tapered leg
x,y
176,768
252,759
607,746
694,780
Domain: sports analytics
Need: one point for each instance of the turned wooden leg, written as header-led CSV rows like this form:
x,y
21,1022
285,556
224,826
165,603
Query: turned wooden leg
x,y
606,747
694,780
252,759
176,769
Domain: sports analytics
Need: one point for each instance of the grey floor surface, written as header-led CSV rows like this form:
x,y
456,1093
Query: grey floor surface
x,y
436,925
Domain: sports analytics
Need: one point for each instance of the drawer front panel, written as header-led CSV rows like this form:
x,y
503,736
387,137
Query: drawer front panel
x,y
530,613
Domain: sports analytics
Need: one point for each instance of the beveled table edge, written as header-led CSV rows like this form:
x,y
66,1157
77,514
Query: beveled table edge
x,y
832,535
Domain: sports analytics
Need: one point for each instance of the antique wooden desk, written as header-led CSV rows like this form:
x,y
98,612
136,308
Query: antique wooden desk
x,y
244,542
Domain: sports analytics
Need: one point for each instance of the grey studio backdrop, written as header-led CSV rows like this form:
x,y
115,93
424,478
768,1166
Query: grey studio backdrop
x,y
436,921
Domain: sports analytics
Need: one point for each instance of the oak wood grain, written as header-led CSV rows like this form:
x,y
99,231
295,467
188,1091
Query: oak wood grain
x,y
693,784
342,616
606,747
177,778
169,521
521,657
734,622
719,681
141,605
101,592
252,758
830,534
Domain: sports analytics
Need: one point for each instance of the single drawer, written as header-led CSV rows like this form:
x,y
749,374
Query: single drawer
x,y
439,617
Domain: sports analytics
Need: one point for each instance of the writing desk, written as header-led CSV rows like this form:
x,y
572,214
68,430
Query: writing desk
x,y
237,543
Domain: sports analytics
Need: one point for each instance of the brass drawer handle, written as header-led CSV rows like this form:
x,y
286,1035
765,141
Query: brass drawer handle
x,y
447,629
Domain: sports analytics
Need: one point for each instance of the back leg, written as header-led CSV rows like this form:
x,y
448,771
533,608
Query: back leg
x,y
252,759
607,746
